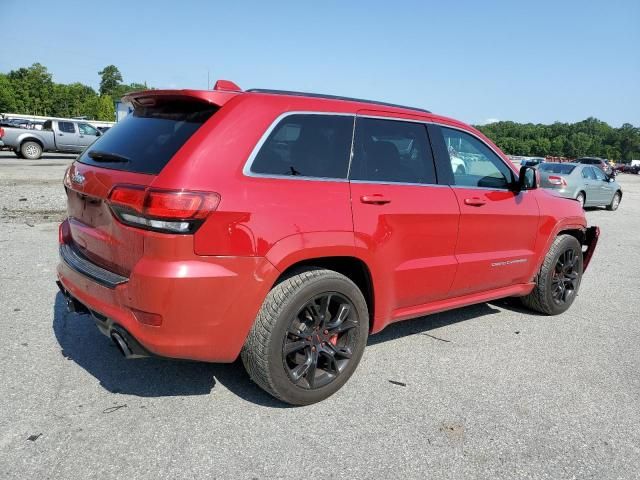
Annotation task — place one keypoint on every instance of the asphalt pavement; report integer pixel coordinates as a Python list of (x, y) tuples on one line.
[(488, 391)]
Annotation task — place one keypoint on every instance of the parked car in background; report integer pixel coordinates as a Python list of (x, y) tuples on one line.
[(531, 162), (55, 136), (627, 168), (601, 163), (284, 228), (586, 183)]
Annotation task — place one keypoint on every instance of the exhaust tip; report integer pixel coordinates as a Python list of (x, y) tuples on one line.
[(128, 345), (121, 343)]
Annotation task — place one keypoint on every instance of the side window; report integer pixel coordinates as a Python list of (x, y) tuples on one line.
[(599, 174), (587, 172), (86, 129), (392, 151), (66, 127), (473, 163), (308, 145)]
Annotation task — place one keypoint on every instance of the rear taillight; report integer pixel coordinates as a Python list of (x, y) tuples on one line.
[(170, 211), (1, 132), (555, 180)]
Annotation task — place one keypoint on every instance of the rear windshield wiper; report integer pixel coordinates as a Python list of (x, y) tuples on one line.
[(107, 157)]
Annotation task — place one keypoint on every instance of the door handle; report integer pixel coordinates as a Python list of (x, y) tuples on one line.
[(474, 202), (375, 199)]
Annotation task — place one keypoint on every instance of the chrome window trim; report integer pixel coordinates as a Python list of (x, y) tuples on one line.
[(374, 182), (393, 119), (453, 127), (246, 170)]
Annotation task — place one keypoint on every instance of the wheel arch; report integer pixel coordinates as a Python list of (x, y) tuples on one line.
[(351, 267), (31, 139)]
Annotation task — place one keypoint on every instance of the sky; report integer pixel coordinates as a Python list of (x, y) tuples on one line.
[(540, 61)]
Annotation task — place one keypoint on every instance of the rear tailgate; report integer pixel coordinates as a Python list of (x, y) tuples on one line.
[(133, 152)]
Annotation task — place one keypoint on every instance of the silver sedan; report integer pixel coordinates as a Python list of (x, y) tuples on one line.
[(585, 183)]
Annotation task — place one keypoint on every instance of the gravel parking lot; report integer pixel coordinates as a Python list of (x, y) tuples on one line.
[(489, 391)]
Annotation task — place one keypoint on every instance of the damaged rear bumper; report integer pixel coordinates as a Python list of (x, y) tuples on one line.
[(590, 241)]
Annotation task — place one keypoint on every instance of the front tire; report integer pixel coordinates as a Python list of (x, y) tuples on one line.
[(581, 199), (308, 337), (615, 202), (558, 281), (31, 150)]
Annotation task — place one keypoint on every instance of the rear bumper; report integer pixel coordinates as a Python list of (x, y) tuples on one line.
[(590, 241), (207, 304)]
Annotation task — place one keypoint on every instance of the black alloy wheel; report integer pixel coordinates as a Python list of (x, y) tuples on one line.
[(565, 277), (319, 343)]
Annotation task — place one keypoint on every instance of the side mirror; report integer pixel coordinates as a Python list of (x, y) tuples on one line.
[(98, 133), (528, 179), (611, 179)]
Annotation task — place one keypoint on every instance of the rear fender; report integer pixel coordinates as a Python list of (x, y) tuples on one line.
[(315, 245)]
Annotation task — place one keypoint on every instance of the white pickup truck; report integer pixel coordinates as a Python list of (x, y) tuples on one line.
[(55, 136)]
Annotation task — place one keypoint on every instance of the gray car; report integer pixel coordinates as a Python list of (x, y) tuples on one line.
[(587, 184)]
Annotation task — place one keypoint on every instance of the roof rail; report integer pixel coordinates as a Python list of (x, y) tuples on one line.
[(333, 97)]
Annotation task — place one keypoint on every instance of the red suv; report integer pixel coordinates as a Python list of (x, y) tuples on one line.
[(286, 227)]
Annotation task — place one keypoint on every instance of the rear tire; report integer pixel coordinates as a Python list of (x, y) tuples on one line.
[(581, 199), (298, 353), (558, 281), (615, 202), (31, 150)]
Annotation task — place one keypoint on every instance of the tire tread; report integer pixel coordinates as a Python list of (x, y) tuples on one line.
[(537, 300), (255, 352)]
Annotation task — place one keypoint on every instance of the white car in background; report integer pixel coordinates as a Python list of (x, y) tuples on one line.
[(458, 165)]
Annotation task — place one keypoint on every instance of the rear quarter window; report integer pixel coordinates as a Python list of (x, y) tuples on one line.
[(307, 145), (146, 140)]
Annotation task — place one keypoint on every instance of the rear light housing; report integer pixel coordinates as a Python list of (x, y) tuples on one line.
[(152, 319), (556, 180), (1, 132), (168, 211)]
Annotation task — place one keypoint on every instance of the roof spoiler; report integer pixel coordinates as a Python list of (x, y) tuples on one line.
[(223, 91)]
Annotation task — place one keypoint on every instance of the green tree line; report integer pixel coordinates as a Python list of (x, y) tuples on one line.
[(32, 91), (590, 137)]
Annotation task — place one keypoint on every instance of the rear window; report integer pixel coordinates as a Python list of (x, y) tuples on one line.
[(556, 168), (146, 140)]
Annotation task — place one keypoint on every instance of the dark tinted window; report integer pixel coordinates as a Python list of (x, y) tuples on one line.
[(66, 127), (145, 141), (473, 163), (590, 161), (556, 168), (392, 151), (307, 145)]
